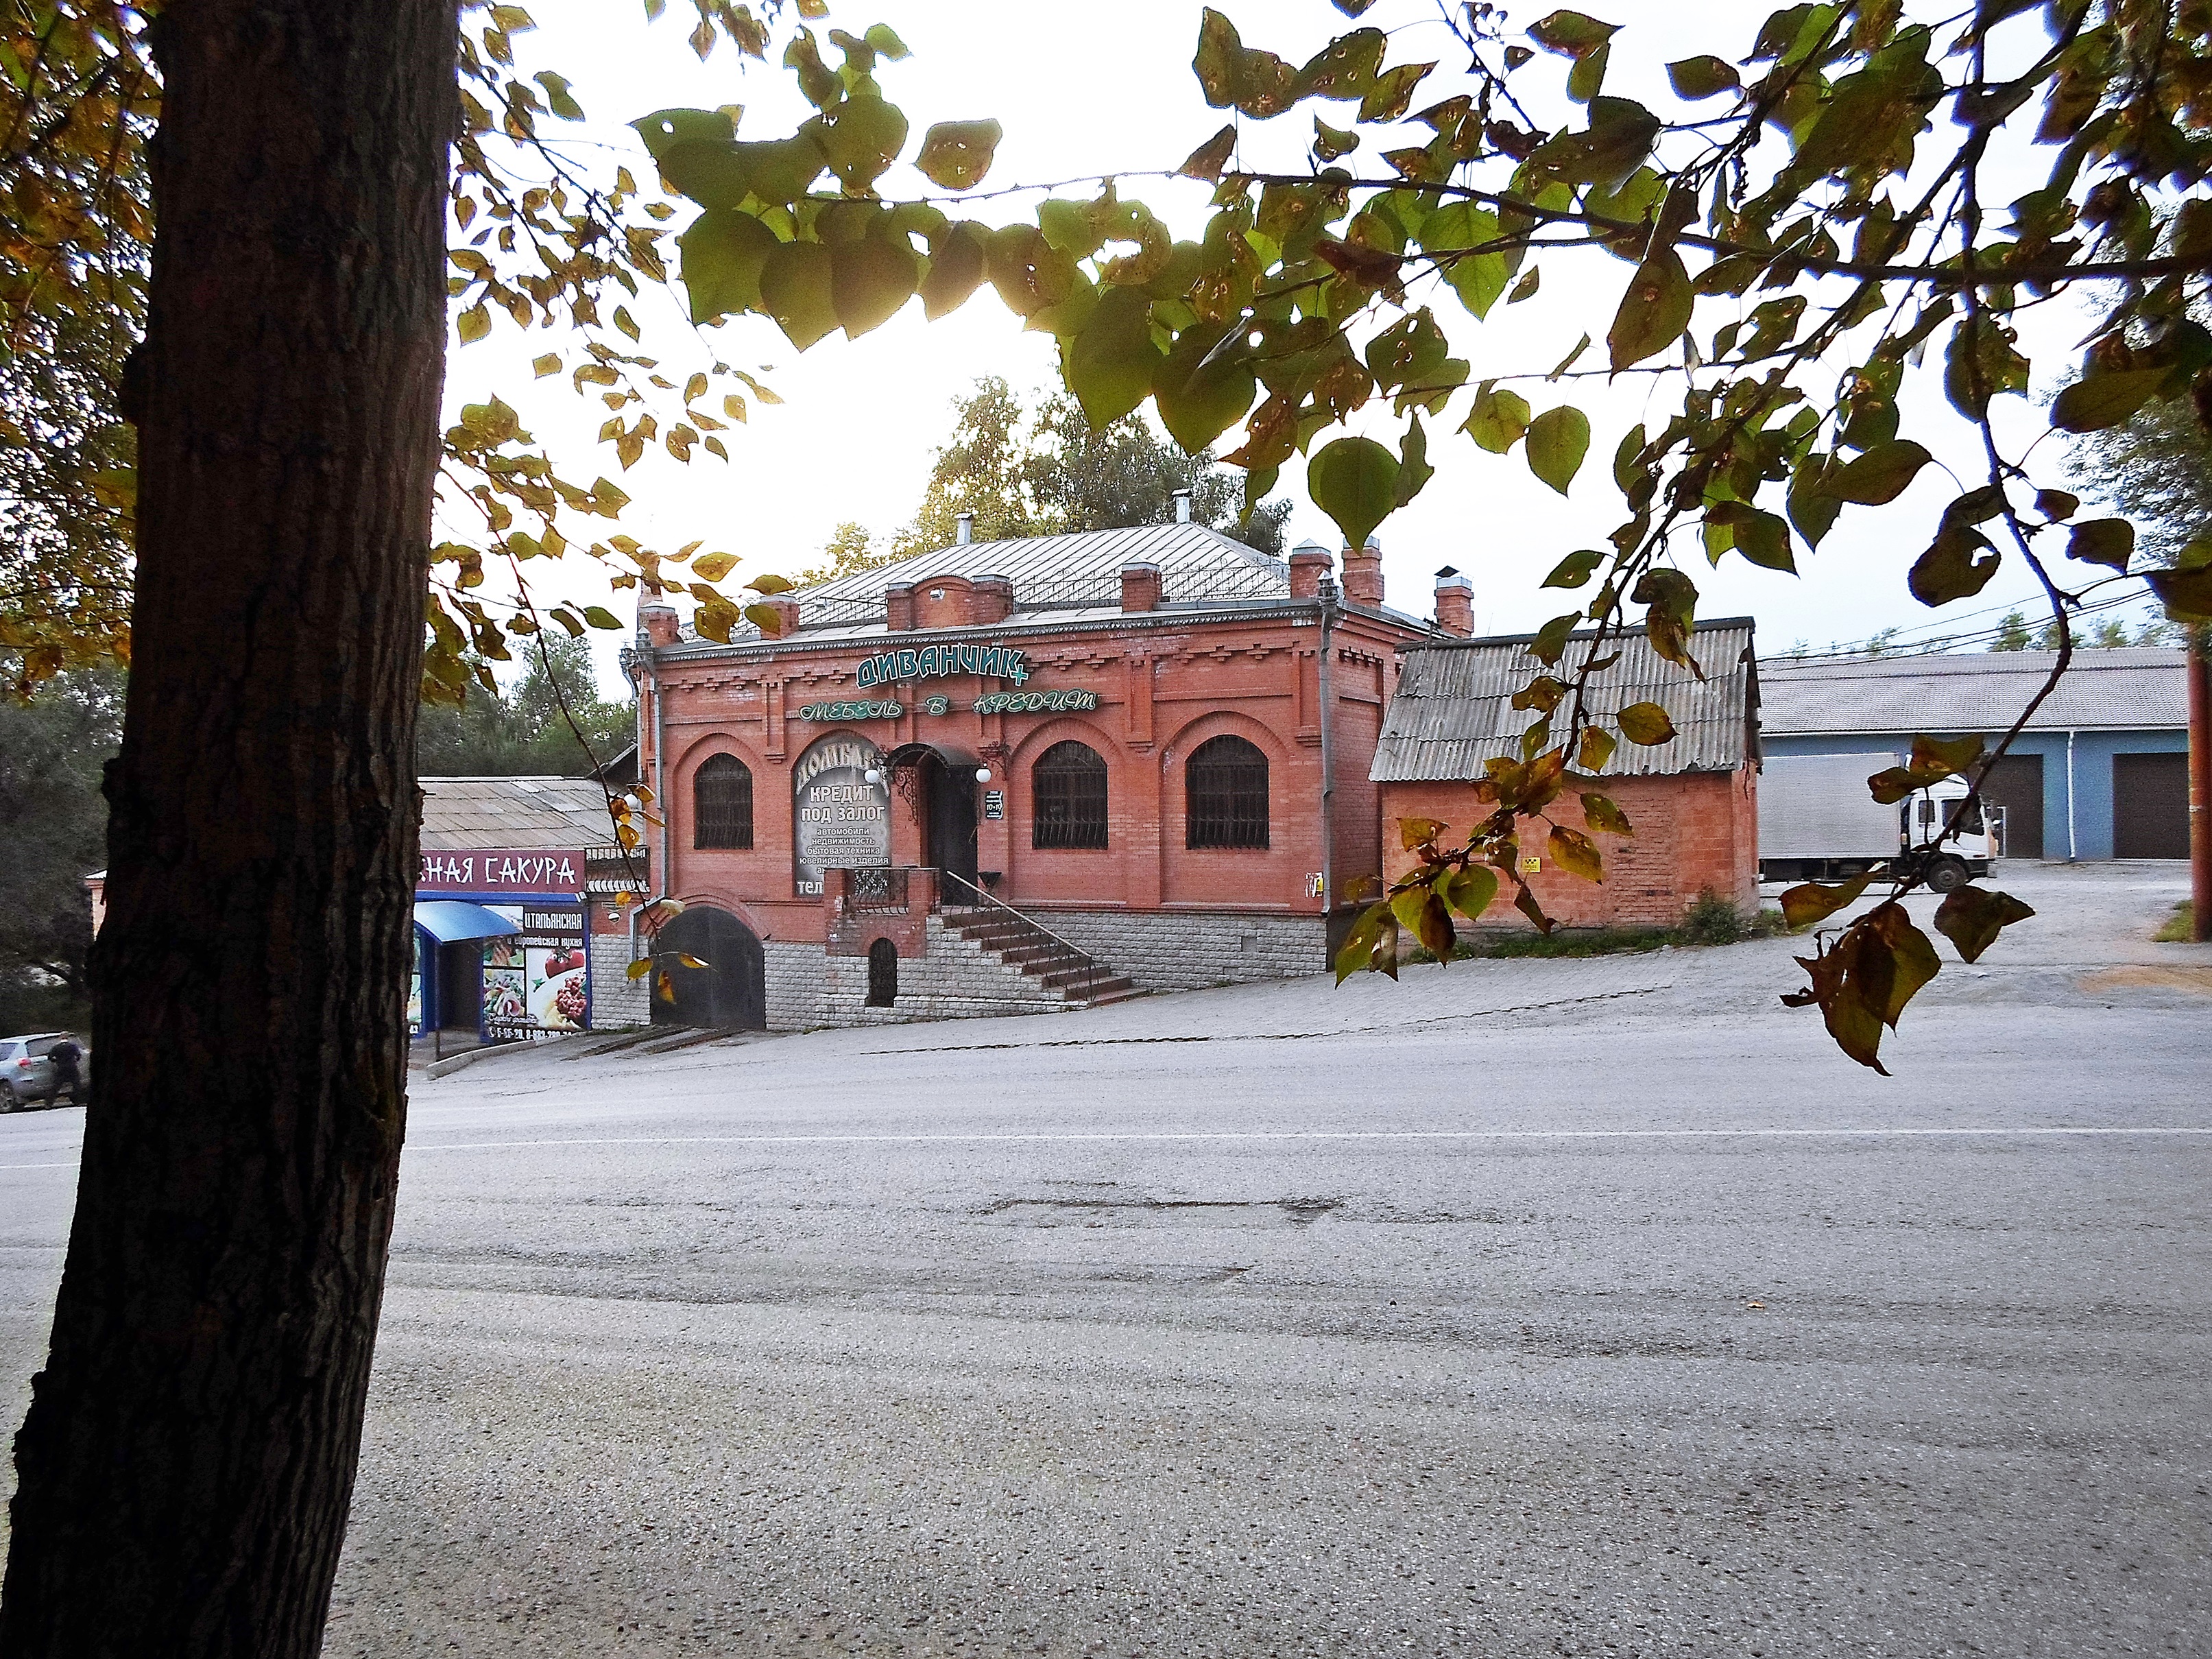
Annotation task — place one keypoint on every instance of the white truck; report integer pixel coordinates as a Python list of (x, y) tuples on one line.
[(1817, 822)]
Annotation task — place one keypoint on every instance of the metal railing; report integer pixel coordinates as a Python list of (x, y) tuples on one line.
[(1093, 970), (877, 888)]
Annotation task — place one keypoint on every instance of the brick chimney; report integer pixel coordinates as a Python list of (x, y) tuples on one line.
[(1310, 562), (898, 607), (1454, 602), (787, 611), (1140, 586), (1363, 573), (658, 624), (990, 599)]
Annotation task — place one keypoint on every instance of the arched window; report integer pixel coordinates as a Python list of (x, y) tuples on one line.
[(722, 803), (883, 974), (1225, 795), (1067, 795)]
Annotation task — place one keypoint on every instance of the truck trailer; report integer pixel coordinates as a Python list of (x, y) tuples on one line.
[(1817, 822)]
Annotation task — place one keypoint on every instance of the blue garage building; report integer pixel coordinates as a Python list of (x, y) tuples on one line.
[(2101, 772)]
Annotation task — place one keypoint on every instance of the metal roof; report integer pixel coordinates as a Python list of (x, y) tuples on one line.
[(1454, 706), (465, 815), (1057, 572), (2124, 688)]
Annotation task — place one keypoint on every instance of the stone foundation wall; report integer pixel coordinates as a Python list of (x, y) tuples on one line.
[(617, 1000), (1190, 950), (955, 979)]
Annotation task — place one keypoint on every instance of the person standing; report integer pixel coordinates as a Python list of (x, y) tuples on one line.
[(64, 1055)]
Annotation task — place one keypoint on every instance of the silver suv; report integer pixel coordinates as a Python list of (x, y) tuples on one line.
[(27, 1069)]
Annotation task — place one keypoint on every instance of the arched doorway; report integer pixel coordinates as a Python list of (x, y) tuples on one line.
[(730, 993), (941, 786)]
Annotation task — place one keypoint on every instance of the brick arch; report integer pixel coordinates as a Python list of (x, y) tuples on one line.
[(687, 761), (1271, 876), (1070, 873)]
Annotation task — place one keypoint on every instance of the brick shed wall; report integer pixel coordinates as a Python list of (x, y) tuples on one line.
[(1694, 830)]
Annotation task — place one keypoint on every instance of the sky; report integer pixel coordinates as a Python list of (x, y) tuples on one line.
[(1088, 90)]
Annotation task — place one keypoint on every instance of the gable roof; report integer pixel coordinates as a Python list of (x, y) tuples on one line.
[(1453, 709), (2130, 687), (1067, 572), (463, 815)]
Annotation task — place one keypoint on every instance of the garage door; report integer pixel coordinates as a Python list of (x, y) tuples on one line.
[(2150, 807), (2016, 783)]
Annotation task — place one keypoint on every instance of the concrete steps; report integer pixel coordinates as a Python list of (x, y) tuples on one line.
[(1020, 943)]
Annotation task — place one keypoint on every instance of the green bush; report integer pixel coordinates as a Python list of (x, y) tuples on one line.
[(1712, 920)]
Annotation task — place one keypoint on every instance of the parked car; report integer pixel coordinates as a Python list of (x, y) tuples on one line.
[(26, 1068)]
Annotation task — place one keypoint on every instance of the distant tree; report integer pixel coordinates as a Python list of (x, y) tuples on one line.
[(54, 824), (524, 732), (2156, 468), (849, 551), (2013, 633), (1055, 475)]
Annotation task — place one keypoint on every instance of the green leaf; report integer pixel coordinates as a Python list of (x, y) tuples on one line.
[(1329, 142), (869, 280), (795, 289), (1207, 161), (714, 175), (885, 41), (1355, 482), (861, 137), (1498, 418), (1703, 77), (1197, 400), (557, 95), (1972, 917), (1112, 360), (1570, 32), (2186, 594), (665, 129), (1803, 906), (1551, 642), (1414, 468), (1601, 813), (1030, 273), (473, 323), (1953, 567), (2102, 541), (1979, 363), (1646, 723), (1654, 311), (2055, 504), (1761, 537), (1879, 476), (1558, 440), (1422, 914), (957, 263), (1575, 569), (723, 256), (1479, 279), (1469, 892), (956, 154), (600, 616), (1575, 852), (1597, 747), (2093, 404)]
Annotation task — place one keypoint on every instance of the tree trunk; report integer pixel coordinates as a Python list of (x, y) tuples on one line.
[(189, 1456)]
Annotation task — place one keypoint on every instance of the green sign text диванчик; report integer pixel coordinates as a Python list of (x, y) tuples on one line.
[(993, 662)]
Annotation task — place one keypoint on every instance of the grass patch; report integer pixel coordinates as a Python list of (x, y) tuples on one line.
[(2180, 927), (1711, 921)]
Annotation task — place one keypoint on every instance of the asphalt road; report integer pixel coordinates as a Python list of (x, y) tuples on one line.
[(1523, 1308)]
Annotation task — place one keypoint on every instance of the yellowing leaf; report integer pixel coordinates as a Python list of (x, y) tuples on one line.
[(1646, 723), (714, 566)]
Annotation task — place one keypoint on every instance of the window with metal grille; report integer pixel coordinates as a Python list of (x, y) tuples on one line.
[(722, 803), (1067, 796), (1226, 794)]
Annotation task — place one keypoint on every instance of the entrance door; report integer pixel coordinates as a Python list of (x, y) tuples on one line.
[(952, 816), (2016, 783), (730, 992), (2150, 807), (461, 985)]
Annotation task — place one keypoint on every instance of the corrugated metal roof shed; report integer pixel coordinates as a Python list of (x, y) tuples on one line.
[(481, 814), (1453, 707), (2128, 687)]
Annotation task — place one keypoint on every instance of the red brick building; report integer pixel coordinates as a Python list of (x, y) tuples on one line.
[(1693, 802), (1062, 766)]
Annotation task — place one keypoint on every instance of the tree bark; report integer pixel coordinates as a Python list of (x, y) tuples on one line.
[(189, 1456)]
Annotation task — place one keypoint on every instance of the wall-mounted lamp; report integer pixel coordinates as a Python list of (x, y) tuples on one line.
[(873, 776), (982, 774)]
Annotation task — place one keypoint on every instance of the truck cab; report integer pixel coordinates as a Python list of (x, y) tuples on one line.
[(1818, 821)]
